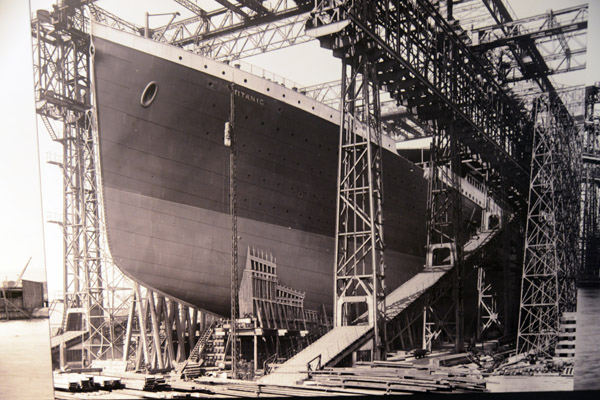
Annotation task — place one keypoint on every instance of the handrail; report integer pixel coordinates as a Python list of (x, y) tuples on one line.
[(318, 367), (266, 368)]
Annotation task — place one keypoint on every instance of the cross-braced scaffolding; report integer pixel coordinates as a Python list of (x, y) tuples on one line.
[(590, 227), (444, 220), (64, 103), (97, 296), (359, 267), (551, 241)]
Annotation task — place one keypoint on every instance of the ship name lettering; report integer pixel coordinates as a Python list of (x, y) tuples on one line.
[(249, 97)]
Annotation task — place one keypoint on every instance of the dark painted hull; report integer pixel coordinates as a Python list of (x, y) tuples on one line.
[(165, 175)]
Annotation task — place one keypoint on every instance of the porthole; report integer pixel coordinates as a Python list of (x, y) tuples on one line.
[(149, 94)]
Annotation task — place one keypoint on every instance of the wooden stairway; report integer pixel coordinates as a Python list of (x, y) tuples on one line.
[(193, 365)]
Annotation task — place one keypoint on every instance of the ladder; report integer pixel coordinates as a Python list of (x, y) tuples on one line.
[(191, 366)]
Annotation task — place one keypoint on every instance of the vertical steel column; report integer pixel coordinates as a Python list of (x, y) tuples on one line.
[(551, 259), (359, 268), (444, 219), (230, 141), (62, 79), (539, 313), (590, 229)]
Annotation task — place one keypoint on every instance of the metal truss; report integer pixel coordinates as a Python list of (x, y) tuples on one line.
[(237, 30), (429, 312), (359, 266), (107, 18), (590, 193), (64, 104), (444, 247), (551, 242), (487, 308), (554, 42), (328, 93), (529, 61), (411, 39), (553, 23), (429, 334)]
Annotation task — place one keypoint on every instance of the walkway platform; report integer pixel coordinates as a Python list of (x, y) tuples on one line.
[(329, 347), (66, 337), (340, 340), (398, 300)]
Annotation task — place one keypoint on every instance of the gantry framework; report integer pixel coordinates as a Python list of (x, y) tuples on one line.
[(95, 291), (359, 261), (466, 105), (64, 104), (238, 29), (590, 234), (423, 63), (551, 261)]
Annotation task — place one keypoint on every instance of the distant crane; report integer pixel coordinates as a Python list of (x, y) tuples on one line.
[(17, 283)]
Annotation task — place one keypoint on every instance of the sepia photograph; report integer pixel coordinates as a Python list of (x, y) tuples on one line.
[(299, 198)]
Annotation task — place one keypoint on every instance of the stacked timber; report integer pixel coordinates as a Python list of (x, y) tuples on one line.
[(394, 377), (239, 388), (76, 382), (155, 384)]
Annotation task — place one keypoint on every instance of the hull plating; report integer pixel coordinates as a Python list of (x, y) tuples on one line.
[(166, 173)]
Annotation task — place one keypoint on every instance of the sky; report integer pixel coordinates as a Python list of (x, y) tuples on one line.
[(26, 179)]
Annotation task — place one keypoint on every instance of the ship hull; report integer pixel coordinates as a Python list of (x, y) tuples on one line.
[(165, 175)]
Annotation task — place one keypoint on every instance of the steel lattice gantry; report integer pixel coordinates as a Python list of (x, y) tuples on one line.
[(237, 30), (423, 63), (551, 259), (115, 321), (63, 98), (359, 266), (590, 229)]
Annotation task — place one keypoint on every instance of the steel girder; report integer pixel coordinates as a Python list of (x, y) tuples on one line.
[(237, 31), (63, 99), (424, 64), (552, 23), (590, 228), (359, 260), (487, 309), (411, 39), (405, 330), (525, 59), (551, 239)]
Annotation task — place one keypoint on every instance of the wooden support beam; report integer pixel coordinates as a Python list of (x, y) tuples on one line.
[(128, 332), (155, 329), (168, 318), (142, 323), (191, 335), (176, 313)]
